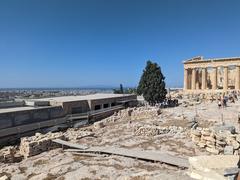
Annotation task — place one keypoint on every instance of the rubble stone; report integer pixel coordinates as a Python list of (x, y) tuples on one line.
[(196, 139), (196, 132), (212, 150), (98, 125), (215, 141), (221, 143), (235, 145), (153, 130), (206, 132)]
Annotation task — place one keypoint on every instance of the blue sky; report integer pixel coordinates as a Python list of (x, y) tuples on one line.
[(79, 43)]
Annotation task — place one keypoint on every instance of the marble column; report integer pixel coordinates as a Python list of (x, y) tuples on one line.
[(185, 79), (193, 79), (237, 79), (204, 77), (225, 83), (214, 84)]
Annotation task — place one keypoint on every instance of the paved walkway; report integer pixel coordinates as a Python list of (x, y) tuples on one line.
[(136, 154)]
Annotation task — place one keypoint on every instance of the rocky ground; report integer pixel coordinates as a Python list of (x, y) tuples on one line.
[(166, 131)]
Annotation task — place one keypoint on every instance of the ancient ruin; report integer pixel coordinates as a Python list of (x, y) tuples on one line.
[(206, 75), (146, 142)]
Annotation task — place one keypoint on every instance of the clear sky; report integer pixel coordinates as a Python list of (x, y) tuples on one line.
[(78, 43)]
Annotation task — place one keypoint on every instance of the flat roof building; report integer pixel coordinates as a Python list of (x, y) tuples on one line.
[(47, 112)]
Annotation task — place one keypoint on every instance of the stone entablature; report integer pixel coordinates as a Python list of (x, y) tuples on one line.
[(212, 74)]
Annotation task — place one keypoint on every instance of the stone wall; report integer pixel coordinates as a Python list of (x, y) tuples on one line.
[(31, 146), (130, 114), (221, 142)]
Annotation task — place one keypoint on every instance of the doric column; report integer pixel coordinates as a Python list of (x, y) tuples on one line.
[(185, 79), (193, 79), (237, 79), (214, 84), (225, 83), (204, 76)]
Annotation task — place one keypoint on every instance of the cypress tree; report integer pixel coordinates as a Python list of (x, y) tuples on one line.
[(152, 84)]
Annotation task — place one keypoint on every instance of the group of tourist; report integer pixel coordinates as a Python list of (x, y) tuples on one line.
[(168, 102), (222, 99)]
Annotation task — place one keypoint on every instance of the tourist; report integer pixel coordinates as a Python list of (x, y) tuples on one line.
[(219, 103), (224, 102)]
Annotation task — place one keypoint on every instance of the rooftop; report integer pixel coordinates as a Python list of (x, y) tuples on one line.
[(24, 108), (84, 98), (201, 59)]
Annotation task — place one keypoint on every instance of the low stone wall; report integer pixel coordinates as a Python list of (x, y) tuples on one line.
[(31, 146), (130, 114), (224, 142)]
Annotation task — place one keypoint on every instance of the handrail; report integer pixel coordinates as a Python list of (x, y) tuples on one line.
[(93, 112)]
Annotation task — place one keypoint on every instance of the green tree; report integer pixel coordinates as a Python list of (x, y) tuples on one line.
[(152, 84), (119, 91)]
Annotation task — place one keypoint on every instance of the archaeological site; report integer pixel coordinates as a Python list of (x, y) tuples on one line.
[(119, 90), (110, 136)]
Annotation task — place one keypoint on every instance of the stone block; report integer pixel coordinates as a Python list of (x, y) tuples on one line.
[(211, 167), (212, 150), (224, 128), (210, 144), (238, 137), (206, 132), (208, 138), (221, 143), (235, 145), (220, 137), (202, 145), (98, 125), (228, 150), (196, 139), (196, 132)]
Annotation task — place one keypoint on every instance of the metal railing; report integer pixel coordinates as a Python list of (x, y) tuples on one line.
[(95, 112)]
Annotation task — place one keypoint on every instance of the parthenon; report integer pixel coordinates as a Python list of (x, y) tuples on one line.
[(222, 74)]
